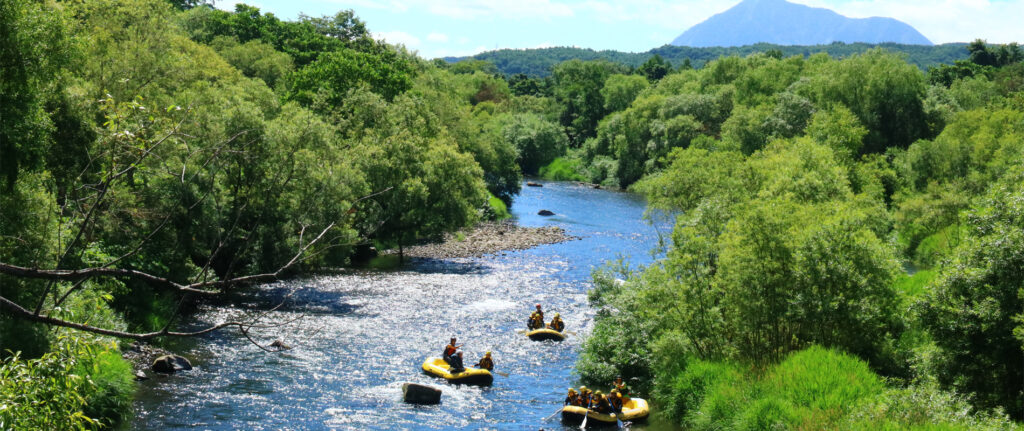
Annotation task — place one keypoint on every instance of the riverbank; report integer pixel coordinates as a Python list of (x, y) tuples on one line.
[(490, 238)]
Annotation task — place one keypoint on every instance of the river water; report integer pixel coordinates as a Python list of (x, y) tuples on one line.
[(360, 335)]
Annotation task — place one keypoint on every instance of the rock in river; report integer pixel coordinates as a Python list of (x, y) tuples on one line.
[(421, 394), (168, 364), (545, 213), (533, 184)]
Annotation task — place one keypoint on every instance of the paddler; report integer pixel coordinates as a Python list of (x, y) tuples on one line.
[(456, 363), (557, 323), (573, 399), (449, 351), (620, 386), (615, 400), (486, 362), (536, 319), (585, 397), (600, 403)]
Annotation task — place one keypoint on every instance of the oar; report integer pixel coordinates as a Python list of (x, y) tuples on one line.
[(586, 416), (570, 332), (553, 414), (500, 373)]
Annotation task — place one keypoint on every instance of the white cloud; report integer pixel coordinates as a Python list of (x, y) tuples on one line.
[(481, 9), (398, 37), (944, 20), (437, 37)]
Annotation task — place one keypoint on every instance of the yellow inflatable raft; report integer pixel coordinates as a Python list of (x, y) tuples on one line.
[(471, 376), (545, 334), (633, 410)]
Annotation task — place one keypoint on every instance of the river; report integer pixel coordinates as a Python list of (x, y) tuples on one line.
[(360, 335)]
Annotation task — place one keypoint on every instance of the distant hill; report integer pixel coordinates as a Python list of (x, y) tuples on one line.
[(538, 62), (784, 23)]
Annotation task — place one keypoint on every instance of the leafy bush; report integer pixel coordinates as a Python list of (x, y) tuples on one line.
[(75, 386), (562, 169)]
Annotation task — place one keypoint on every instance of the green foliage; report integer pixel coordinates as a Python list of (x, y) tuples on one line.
[(577, 88), (255, 58), (78, 385), (334, 74), (619, 91), (34, 47), (562, 169), (537, 141), (540, 62), (881, 89), (974, 309), (497, 209)]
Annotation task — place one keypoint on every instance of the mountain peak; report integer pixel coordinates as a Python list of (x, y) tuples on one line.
[(785, 23)]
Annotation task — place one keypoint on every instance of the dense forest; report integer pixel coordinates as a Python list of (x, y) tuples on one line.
[(848, 245), (540, 62), (849, 230)]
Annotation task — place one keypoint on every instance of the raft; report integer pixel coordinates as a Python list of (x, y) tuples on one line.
[(634, 410), (437, 367), (545, 334)]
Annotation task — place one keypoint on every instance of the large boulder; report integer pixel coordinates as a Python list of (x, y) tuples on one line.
[(421, 394), (168, 364), (545, 213)]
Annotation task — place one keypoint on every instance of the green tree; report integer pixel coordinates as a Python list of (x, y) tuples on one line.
[(882, 90), (336, 73), (34, 47), (577, 87), (619, 91), (538, 141), (655, 68), (974, 310)]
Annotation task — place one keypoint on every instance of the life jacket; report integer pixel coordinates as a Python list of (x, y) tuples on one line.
[(449, 350), (623, 389), (486, 363), (572, 400), (616, 403), (557, 325)]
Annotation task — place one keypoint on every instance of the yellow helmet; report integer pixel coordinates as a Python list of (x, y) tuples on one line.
[(488, 353), (598, 393), (572, 391), (558, 315), (583, 389)]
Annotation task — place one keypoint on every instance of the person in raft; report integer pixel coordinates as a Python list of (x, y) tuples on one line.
[(536, 319), (573, 399), (456, 364), (615, 400), (600, 403), (620, 386), (486, 362), (449, 351), (585, 397), (557, 323)]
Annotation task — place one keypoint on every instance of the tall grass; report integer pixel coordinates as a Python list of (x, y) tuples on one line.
[(562, 169), (813, 389)]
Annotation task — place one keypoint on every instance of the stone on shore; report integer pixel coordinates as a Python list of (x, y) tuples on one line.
[(545, 213), (168, 364), (420, 394), (489, 238)]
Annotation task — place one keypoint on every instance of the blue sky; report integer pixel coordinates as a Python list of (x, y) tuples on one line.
[(437, 28)]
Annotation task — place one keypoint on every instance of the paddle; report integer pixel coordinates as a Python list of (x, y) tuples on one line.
[(586, 416), (553, 414), (500, 373)]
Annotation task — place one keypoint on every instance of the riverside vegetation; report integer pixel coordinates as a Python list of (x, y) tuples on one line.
[(155, 154)]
